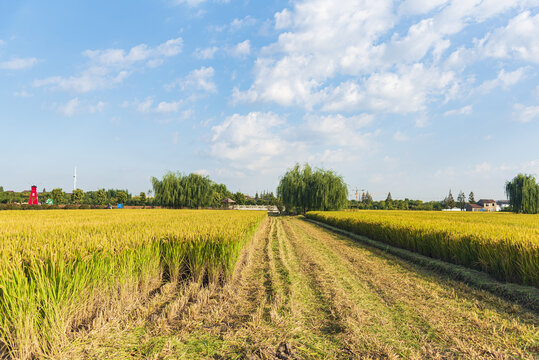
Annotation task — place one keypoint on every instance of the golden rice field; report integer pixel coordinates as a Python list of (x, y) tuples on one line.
[(501, 244), (60, 270)]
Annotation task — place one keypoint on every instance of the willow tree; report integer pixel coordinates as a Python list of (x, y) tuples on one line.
[(305, 189), (176, 190), (523, 193)]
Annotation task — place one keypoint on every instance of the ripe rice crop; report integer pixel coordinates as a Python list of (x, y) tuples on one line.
[(60, 270), (501, 244)]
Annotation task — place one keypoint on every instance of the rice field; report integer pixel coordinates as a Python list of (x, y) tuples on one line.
[(501, 244), (61, 271), (133, 284), (300, 291)]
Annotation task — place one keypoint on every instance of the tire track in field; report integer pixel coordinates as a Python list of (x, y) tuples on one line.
[(344, 320), (274, 309), (446, 318)]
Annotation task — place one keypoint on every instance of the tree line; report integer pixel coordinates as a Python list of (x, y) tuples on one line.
[(300, 189), (78, 197), (178, 190)]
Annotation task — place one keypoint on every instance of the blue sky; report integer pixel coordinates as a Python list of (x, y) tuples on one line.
[(415, 97)]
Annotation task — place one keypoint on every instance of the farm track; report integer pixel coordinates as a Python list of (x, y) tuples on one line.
[(300, 291)]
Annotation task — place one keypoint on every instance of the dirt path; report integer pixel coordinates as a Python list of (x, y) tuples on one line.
[(302, 292)]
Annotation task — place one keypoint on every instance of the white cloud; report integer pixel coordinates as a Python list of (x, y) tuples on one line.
[(415, 7), (206, 53), (338, 130), (202, 172), (241, 49), (349, 56), (18, 64), (447, 172), (144, 106), (140, 53), (325, 38), (504, 79), (530, 167), (465, 110), (283, 19), (238, 24), (191, 3), (98, 107), (75, 106), (163, 107), (266, 142), (255, 141), (338, 39), (22, 93), (483, 168), (111, 67), (404, 91), (333, 156), (519, 39), (399, 136), (525, 113), (199, 79), (70, 108)]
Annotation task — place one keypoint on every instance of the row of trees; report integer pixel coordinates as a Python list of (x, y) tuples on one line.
[(78, 196), (305, 189), (450, 203), (396, 204), (176, 190), (301, 189)]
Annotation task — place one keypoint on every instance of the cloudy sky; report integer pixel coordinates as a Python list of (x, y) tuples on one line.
[(415, 97)]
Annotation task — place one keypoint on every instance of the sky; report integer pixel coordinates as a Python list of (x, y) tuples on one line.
[(411, 97)]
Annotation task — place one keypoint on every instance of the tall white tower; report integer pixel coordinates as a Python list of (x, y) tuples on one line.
[(75, 179)]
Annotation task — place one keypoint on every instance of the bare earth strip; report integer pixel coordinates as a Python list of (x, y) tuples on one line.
[(302, 292)]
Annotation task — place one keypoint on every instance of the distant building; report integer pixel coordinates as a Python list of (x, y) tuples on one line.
[(487, 204), (228, 202), (502, 204), (453, 209), (473, 207)]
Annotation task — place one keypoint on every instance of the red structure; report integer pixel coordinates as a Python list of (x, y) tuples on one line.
[(32, 200)]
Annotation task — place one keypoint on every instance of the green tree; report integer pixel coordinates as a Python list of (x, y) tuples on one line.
[(176, 190), (461, 200), (449, 201), (471, 198), (77, 196), (523, 193), (368, 197), (142, 198), (305, 189), (57, 196), (122, 197), (389, 201), (101, 197)]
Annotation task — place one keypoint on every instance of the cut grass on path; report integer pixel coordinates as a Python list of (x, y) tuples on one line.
[(300, 291)]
